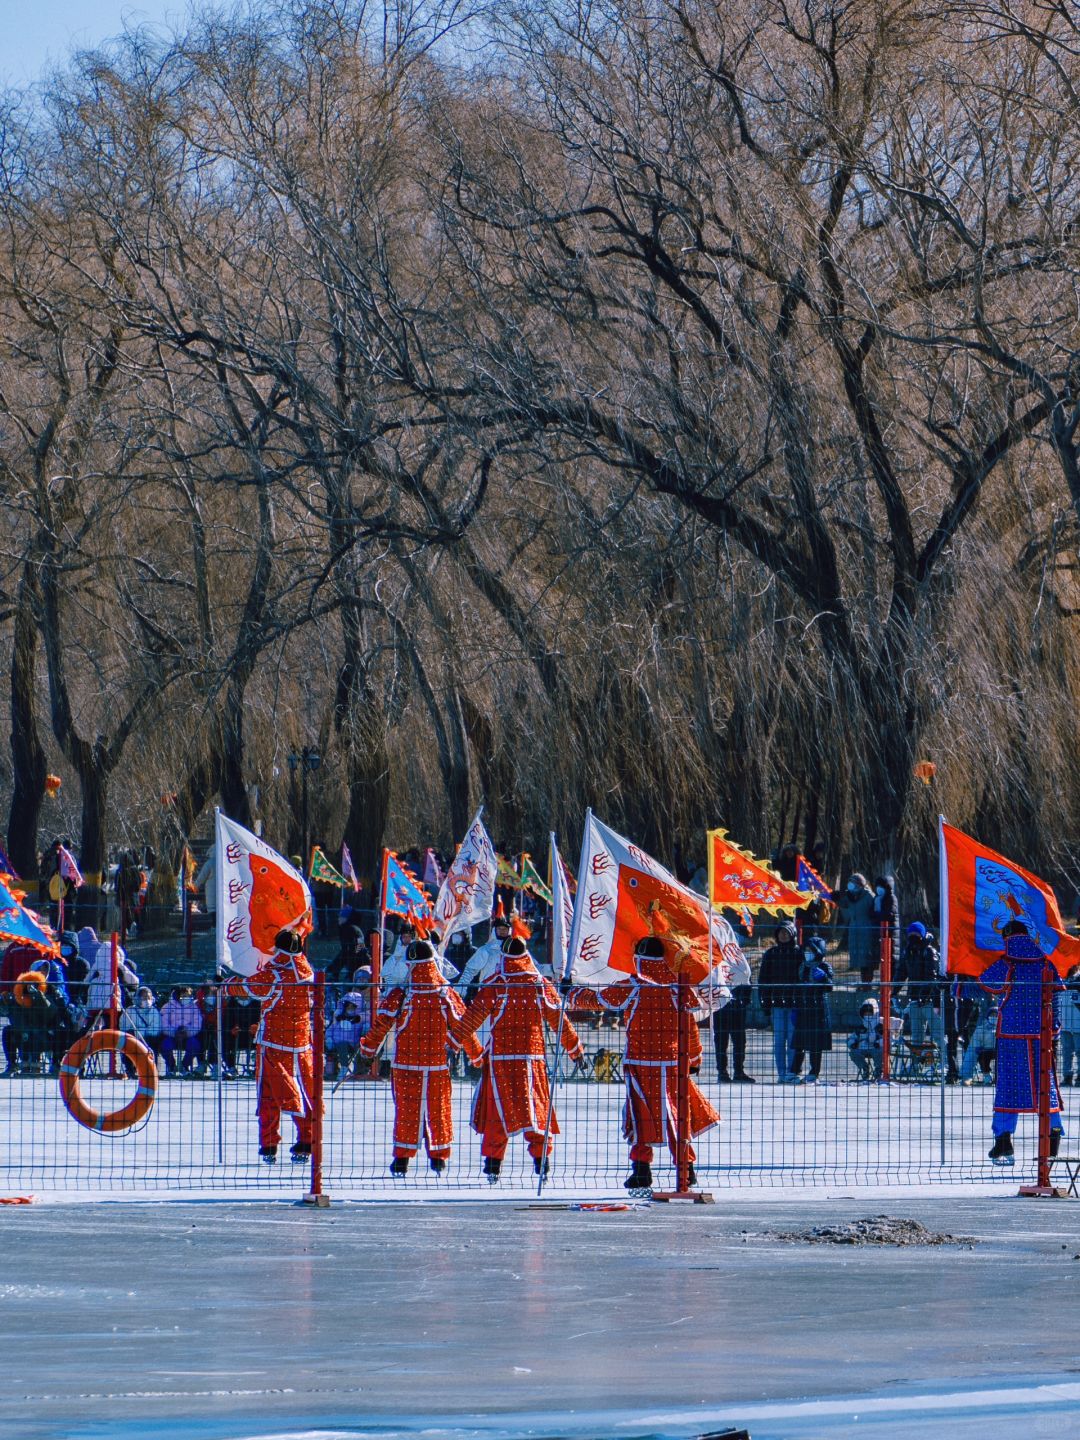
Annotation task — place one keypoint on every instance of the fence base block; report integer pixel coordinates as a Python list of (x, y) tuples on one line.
[(1042, 1192), (320, 1202), (686, 1197)]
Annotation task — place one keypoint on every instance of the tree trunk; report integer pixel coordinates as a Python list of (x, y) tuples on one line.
[(27, 754)]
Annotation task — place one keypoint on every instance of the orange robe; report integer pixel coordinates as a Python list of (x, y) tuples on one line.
[(513, 1094), (420, 1013), (648, 1002), (284, 1069)]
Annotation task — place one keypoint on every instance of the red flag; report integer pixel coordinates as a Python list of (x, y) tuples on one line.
[(981, 891), (737, 880)]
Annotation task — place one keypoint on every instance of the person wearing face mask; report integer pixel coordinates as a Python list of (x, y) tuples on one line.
[(856, 905), (143, 1020), (885, 915)]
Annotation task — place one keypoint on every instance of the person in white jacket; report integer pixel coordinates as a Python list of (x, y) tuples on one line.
[(99, 981), (486, 960), (865, 1044)]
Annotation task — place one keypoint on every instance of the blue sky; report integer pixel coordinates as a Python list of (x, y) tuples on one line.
[(37, 33)]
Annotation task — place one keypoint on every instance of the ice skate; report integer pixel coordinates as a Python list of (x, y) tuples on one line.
[(639, 1181), (399, 1166), (300, 1152), (492, 1166), (438, 1165), (542, 1166), (268, 1154), (1002, 1152)]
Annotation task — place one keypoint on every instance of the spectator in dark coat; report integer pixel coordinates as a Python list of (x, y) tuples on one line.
[(856, 904), (729, 1024), (813, 1020), (778, 981), (885, 915), (919, 968)]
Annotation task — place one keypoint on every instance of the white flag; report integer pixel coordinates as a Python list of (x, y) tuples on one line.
[(258, 894), (624, 894), (562, 913), (467, 893)]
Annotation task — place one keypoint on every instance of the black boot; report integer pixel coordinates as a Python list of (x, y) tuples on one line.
[(640, 1177), (492, 1166), (544, 1165), (438, 1165), (300, 1152), (691, 1177), (1055, 1141), (742, 1078), (268, 1154), (1002, 1151), (723, 1077), (399, 1165)]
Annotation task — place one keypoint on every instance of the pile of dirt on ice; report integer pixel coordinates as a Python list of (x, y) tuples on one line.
[(875, 1230)]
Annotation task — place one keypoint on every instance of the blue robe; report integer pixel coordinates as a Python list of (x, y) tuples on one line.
[(1017, 985)]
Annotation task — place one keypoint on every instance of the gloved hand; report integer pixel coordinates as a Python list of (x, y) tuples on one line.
[(578, 1055), (565, 985), (695, 1069)]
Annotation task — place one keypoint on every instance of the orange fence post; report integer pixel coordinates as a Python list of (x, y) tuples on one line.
[(682, 1092), (886, 1000), (318, 1044), (1043, 1186)]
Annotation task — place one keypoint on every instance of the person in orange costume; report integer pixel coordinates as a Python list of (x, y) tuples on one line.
[(284, 1062), (648, 1003), (513, 1096), (420, 1013)]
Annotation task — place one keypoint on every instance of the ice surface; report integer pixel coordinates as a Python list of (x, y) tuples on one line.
[(214, 1322)]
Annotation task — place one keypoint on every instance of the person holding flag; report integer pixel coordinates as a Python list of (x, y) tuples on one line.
[(263, 913), (989, 904), (284, 1061), (648, 1003), (420, 1013), (513, 1096), (1016, 982)]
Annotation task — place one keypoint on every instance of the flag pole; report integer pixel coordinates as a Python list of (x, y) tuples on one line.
[(376, 954), (567, 967)]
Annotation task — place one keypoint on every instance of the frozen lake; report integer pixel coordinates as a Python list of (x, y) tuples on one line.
[(220, 1322)]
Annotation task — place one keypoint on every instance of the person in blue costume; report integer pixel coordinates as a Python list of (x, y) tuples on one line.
[(1016, 981)]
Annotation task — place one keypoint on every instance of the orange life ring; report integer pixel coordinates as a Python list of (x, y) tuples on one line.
[(23, 983), (121, 1043)]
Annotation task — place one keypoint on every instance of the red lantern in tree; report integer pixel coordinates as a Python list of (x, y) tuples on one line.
[(925, 771), (52, 786)]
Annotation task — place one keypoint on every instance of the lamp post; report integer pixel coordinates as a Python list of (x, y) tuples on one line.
[(307, 760)]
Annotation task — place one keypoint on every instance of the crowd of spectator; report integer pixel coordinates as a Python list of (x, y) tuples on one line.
[(949, 1022)]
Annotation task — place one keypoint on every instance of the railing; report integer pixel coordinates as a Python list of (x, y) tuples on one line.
[(848, 1127)]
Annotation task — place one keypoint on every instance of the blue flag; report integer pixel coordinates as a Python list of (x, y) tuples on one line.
[(22, 926), (6, 867), (807, 878), (402, 892)]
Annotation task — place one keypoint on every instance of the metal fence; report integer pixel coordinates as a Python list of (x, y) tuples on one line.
[(851, 1124)]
